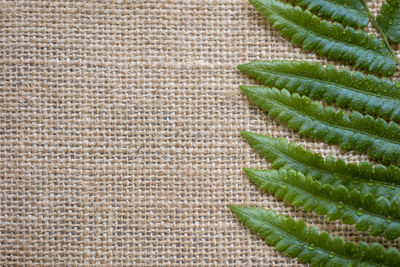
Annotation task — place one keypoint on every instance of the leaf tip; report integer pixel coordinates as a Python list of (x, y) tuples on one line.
[(236, 209), (250, 172), (251, 137), (246, 134), (244, 67), (246, 170), (244, 88)]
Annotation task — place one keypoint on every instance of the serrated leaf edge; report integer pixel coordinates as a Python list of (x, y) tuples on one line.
[(260, 220), (373, 214), (381, 181), (374, 56), (331, 9), (366, 94), (350, 131)]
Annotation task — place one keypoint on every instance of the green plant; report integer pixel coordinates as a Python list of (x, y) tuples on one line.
[(367, 212), (389, 20), (348, 12), (377, 180), (366, 94), (360, 194), (324, 38), (309, 245)]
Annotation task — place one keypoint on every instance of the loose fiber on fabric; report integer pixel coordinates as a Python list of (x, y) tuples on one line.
[(120, 134)]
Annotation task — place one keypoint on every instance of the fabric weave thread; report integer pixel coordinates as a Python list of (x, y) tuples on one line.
[(120, 133)]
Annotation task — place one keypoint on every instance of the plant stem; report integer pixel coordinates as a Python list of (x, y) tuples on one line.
[(383, 35)]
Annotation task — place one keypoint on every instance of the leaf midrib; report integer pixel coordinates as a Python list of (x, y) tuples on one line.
[(350, 207), (330, 124), (303, 241), (288, 157), (343, 87)]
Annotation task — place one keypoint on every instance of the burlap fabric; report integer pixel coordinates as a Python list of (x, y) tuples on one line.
[(120, 140)]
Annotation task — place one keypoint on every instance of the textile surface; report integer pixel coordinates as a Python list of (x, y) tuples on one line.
[(120, 133)]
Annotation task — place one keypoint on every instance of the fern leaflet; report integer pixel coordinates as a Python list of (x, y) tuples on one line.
[(331, 40), (389, 20), (311, 246), (366, 94), (376, 180), (347, 12), (378, 215), (381, 140)]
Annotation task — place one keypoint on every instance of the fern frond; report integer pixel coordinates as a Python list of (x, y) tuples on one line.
[(366, 94), (347, 12), (377, 215), (330, 40), (389, 19), (376, 180), (381, 140), (309, 245)]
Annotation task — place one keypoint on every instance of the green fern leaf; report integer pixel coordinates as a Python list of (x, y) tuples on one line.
[(309, 245), (378, 215), (381, 140), (348, 12), (330, 40), (376, 180), (365, 94), (389, 20)]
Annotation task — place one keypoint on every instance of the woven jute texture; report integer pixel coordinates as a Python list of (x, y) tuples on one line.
[(120, 134)]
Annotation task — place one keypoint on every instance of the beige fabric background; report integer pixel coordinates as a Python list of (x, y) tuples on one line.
[(120, 142)]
